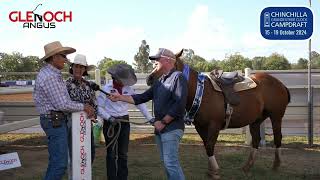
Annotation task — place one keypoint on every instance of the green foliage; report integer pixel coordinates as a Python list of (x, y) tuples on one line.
[(16, 62), (302, 64), (315, 60), (142, 63), (204, 66), (277, 62), (235, 62), (197, 62), (258, 62), (105, 63)]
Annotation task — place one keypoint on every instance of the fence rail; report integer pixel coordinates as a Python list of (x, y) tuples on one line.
[(294, 121)]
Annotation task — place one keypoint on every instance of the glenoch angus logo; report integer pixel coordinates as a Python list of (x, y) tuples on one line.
[(48, 19)]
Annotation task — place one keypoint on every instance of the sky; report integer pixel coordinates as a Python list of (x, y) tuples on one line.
[(115, 29)]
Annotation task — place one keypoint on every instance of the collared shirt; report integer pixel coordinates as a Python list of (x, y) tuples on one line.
[(50, 92), (81, 92), (107, 108), (169, 95)]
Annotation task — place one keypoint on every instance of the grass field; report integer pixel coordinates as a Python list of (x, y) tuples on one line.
[(298, 160)]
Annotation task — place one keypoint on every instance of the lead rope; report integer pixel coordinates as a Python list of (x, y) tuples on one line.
[(110, 134)]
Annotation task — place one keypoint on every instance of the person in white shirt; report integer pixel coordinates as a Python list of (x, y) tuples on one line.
[(123, 77)]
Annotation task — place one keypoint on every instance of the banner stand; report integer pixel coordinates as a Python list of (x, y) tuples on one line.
[(81, 147)]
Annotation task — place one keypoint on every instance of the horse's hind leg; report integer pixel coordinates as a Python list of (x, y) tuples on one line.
[(277, 137), (255, 133)]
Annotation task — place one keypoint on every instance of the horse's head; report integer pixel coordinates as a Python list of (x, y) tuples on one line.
[(155, 74)]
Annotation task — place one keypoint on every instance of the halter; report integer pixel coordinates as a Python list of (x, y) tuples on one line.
[(189, 117)]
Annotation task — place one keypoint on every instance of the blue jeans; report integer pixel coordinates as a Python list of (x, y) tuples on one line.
[(168, 145), (57, 148)]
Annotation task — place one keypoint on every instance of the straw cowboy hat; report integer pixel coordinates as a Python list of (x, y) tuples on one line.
[(54, 48), (81, 60), (123, 73)]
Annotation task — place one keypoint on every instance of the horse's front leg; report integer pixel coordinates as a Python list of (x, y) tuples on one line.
[(213, 167), (209, 140)]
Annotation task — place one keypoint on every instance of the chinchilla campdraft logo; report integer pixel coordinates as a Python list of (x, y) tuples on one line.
[(33, 20), (286, 23)]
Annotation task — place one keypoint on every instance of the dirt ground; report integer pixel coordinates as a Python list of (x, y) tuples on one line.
[(298, 161), (27, 97)]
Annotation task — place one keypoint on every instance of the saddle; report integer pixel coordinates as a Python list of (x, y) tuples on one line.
[(226, 81)]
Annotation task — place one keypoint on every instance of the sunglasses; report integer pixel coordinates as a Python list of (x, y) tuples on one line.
[(63, 55)]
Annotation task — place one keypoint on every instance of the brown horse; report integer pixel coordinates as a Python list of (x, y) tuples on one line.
[(269, 99)]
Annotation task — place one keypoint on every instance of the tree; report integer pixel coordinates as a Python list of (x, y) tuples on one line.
[(9, 62), (197, 62), (204, 66), (141, 59), (235, 62), (302, 64), (315, 59), (105, 63), (216, 64), (277, 62), (16, 62), (258, 62)]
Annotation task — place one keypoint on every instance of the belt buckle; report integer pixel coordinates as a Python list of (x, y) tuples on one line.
[(45, 115)]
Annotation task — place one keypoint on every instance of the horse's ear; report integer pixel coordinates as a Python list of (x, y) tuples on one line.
[(179, 53)]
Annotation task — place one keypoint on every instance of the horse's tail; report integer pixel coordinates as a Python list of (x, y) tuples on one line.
[(37, 7), (289, 95)]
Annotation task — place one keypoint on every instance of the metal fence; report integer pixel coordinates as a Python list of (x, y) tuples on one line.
[(294, 122)]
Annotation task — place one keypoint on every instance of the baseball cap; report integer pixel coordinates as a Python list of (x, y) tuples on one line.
[(163, 52)]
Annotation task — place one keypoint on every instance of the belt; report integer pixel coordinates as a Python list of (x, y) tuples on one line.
[(53, 115), (120, 117)]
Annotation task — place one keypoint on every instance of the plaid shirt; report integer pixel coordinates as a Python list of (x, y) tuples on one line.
[(50, 92)]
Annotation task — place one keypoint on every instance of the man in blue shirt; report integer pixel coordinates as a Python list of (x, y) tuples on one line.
[(169, 95)]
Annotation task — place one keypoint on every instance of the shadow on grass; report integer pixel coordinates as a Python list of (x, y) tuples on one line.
[(23, 141)]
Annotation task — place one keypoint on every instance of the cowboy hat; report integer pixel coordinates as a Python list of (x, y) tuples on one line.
[(81, 60), (54, 48), (123, 73)]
